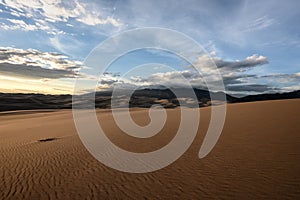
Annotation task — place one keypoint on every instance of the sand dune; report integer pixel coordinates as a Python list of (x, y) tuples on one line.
[(257, 156)]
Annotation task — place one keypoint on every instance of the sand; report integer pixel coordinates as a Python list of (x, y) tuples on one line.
[(257, 156)]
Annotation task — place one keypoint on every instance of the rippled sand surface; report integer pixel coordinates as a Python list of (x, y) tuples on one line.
[(257, 156)]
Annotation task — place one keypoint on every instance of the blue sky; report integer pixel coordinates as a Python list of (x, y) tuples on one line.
[(263, 34)]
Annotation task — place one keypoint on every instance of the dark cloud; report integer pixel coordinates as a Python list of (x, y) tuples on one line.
[(237, 79), (286, 77), (249, 88), (249, 62), (109, 81), (117, 74), (36, 72), (34, 64)]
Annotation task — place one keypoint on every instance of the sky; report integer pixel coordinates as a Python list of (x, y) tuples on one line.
[(44, 43)]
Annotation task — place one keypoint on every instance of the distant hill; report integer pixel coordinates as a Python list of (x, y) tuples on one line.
[(276, 96), (18, 101), (140, 98)]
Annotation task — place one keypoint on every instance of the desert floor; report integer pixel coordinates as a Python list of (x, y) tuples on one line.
[(257, 156)]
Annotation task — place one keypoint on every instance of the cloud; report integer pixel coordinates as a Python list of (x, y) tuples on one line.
[(242, 65), (249, 88), (35, 25), (34, 64), (233, 72), (61, 11), (235, 80), (107, 81), (206, 65), (259, 23), (34, 72), (45, 14), (285, 82), (92, 20), (20, 24), (282, 78)]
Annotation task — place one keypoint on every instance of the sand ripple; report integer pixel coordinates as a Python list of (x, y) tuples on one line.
[(257, 156)]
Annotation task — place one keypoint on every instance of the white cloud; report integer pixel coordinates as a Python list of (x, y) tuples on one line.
[(257, 59), (291, 88), (259, 23), (20, 24), (60, 11), (90, 19), (68, 45)]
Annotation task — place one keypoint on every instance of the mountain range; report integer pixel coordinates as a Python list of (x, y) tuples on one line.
[(140, 98)]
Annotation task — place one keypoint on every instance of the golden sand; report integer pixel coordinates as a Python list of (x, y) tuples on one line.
[(257, 156)]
